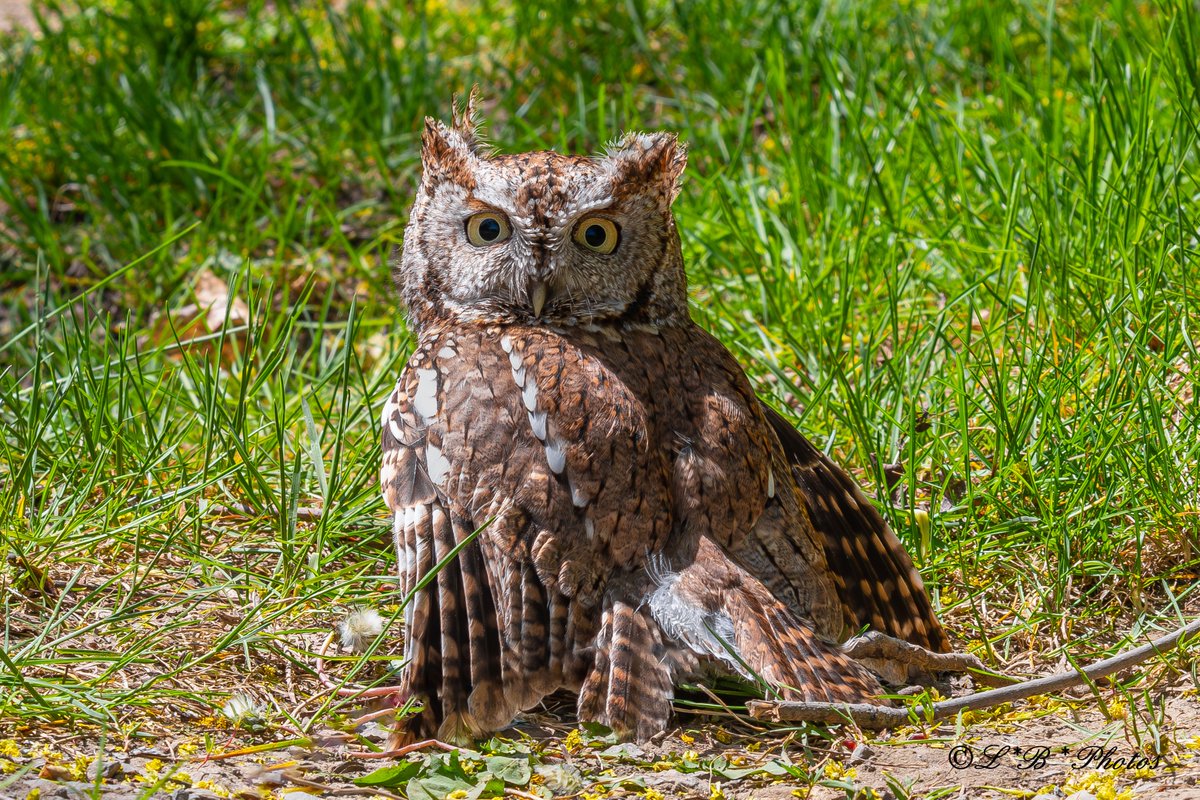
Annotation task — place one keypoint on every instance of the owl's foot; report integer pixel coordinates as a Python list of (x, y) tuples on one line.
[(899, 662)]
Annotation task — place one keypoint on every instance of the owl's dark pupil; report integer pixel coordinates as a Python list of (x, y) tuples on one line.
[(489, 229), (595, 235)]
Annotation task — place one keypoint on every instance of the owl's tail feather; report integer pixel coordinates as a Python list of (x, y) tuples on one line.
[(629, 687), (792, 658), (452, 642)]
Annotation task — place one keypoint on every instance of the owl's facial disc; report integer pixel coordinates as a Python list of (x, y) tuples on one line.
[(542, 238)]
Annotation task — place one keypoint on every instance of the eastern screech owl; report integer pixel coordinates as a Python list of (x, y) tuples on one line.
[(641, 515)]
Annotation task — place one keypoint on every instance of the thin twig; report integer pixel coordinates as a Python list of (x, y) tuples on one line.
[(877, 717), (402, 751), (336, 791)]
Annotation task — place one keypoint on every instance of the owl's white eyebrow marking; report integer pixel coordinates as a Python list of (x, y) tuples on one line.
[(425, 403), (436, 464), (576, 211)]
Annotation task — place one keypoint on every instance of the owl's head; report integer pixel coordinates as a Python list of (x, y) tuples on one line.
[(543, 238)]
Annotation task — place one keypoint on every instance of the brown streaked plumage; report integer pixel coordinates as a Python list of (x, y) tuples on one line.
[(641, 516)]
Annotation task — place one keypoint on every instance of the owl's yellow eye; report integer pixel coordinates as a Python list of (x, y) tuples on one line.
[(598, 234), (487, 227)]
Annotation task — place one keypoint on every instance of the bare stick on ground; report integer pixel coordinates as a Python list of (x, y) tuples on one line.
[(874, 717)]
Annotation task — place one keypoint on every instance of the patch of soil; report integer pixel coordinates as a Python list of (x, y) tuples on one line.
[(1044, 749)]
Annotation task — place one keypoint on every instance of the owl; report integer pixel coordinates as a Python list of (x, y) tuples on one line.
[(586, 493)]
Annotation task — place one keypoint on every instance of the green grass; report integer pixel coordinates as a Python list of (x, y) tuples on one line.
[(963, 240)]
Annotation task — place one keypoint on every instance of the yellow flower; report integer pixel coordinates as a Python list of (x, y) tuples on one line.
[(574, 741)]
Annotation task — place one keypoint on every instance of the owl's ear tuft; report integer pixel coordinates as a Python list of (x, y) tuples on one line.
[(447, 154), (464, 118), (656, 160)]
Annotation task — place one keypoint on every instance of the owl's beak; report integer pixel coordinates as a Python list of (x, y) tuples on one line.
[(537, 296)]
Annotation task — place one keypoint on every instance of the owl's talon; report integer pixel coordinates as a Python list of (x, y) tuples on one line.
[(896, 660)]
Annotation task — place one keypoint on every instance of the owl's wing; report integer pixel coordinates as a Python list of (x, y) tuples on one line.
[(875, 579), (452, 640), (520, 441), (723, 615)]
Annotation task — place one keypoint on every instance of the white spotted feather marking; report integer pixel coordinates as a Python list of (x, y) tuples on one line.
[(389, 417), (447, 352), (537, 421), (556, 454), (436, 464), (529, 395), (425, 402)]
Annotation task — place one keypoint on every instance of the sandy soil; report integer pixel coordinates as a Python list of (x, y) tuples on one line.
[(1060, 755)]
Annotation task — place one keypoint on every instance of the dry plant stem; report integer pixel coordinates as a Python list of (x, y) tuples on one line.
[(510, 792), (402, 751), (334, 791), (874, 717), (374, 715)]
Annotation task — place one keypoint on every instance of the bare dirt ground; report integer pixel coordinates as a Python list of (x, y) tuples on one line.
[(1044, 749)]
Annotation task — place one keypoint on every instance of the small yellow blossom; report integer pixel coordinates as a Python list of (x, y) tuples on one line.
[(835, 771), (574, 741)]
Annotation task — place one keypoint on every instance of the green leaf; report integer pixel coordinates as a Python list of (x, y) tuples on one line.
[(437, 786), (390, 777), (513, 771), (599, 734)]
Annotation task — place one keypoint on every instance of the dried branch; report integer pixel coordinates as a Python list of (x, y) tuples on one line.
[(877, 717)]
